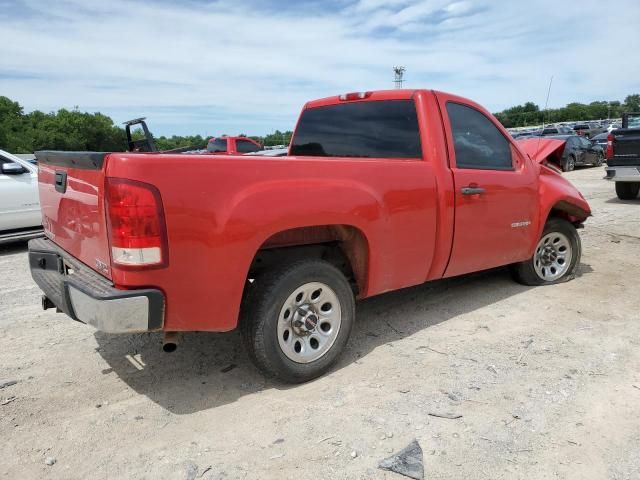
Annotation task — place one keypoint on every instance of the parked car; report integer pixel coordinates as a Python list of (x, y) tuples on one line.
[(623, 157), (613, 126), (273, 152), (20, 217), (579, 151), (556, 130), (380, 191), (601, 140), (588, 130), (232, 145)]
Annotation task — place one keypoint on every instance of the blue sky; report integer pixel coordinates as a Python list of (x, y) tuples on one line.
[(228, 66)]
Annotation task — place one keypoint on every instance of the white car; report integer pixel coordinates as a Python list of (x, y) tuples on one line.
[(20, 217)]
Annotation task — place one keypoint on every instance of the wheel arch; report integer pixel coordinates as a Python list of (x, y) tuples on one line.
[(345, 246)]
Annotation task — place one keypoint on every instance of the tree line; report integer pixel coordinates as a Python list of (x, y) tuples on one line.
[(531, 114), (74, 130)]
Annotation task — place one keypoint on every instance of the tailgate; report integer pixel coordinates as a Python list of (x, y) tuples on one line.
[(626, 143), (71, 186)]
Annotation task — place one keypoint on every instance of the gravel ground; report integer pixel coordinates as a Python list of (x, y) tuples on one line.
[(547, 381)]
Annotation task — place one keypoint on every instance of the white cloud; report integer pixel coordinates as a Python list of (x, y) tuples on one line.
[(224, 66)]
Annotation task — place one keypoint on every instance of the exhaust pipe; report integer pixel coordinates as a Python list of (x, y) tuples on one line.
[(47, 303), (170, 342)]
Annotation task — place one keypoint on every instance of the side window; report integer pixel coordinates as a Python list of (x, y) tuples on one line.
[(245, 146), (477, 141)]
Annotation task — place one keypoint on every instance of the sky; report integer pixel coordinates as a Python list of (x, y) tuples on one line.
[(234, 66)]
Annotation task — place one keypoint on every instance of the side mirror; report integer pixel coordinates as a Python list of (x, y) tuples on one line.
[(13, 169)]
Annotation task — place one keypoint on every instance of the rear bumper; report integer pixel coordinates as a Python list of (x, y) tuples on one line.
[(87, 297), (623, 174)]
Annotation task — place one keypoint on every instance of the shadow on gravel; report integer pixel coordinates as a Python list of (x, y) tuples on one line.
[(212, 369), (13, 248), (636, 201)]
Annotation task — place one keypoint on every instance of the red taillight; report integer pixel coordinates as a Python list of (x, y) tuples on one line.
[(135, 219), (610, 146), (354, 96)]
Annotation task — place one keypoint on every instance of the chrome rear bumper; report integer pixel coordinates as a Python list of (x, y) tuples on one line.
[(86, 296)]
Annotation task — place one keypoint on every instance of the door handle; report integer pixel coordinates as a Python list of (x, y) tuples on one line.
[(472, 190)]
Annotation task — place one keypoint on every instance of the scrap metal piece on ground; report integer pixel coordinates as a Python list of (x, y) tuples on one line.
[(450, 416), (407, 462)]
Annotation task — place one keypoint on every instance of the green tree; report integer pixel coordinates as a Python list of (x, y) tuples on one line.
[(632, 103)]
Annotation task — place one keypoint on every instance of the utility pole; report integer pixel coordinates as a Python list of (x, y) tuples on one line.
[(398, 74)]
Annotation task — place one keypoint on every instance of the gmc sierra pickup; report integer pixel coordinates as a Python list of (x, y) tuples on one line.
[(380, 191), (623, 157)]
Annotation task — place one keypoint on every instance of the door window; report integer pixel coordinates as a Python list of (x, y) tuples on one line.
[(477, 141)]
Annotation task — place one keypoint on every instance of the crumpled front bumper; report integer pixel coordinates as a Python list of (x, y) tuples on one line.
[(86, 296)]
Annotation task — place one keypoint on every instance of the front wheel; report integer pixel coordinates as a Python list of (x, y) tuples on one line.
[(599, 160), (556, 256), (569, 164), (297, 319)]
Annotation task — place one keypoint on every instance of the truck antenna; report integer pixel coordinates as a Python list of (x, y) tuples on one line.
[(546, 105)]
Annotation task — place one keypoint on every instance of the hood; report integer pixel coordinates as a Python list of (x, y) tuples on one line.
[(542, 150)]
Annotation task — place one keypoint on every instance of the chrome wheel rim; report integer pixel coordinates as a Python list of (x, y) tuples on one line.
[(309, 322), (553, 256)]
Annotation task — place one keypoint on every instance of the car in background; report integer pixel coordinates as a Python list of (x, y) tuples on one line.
[(232, 145), (601, 140), (623, 157), (273, 152), (20, 217), (579, 151), (613, 126), (556, 130), (588, 130)]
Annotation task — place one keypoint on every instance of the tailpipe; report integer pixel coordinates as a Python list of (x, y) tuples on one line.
[(170, 342)]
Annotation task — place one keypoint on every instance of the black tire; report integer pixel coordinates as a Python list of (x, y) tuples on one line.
[(627, 190), (599, 160), (261, 310), (525, 272), (569, 164)]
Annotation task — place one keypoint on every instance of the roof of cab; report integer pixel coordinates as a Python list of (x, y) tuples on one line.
[(399, 94)]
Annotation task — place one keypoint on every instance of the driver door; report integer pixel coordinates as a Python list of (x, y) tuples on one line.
[(496, 194)]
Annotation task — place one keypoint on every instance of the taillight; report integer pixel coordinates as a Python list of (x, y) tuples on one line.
[(610, 146), (354, 96), (135, 218)]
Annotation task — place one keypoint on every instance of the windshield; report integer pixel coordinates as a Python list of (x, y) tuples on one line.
[(217, 145)]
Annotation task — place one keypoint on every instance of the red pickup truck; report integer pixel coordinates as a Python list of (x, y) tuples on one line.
[(380, 191), (232, 145)]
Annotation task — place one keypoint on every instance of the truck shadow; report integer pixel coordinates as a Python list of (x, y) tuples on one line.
[(13, 248), (209, 370)]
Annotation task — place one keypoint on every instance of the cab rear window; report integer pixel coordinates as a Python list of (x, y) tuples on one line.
[(217, 145), (374, 129)]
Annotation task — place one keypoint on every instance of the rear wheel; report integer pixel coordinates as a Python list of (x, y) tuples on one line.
[(627, 190), (297, 319), (556, 256)]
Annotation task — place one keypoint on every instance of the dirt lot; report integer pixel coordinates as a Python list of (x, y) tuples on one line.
[(547, 381)]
